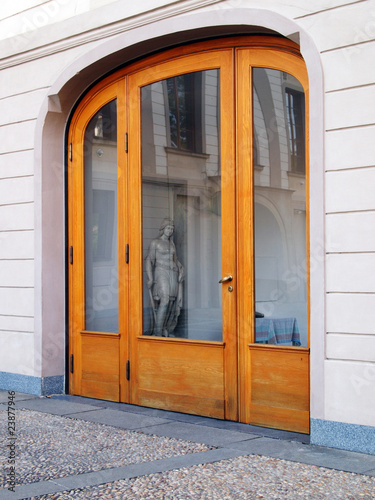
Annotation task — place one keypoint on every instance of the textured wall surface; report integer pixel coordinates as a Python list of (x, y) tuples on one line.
[(40, 39)]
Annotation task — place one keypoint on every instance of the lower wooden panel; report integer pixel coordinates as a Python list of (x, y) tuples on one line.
[(100, 366), (187, 404), (280, 418), (279, 394), (180, 375)]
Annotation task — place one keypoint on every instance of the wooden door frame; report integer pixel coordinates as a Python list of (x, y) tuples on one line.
[(264, 50), (95, 99), (250, 352), (157, 70)]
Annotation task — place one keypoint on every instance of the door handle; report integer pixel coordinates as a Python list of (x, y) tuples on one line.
[(226, 278)]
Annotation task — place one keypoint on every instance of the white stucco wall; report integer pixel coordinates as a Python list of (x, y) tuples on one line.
[(43, 44)]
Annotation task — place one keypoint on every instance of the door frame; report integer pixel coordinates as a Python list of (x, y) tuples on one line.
[(252, 355), (115, 84), (226, 352), (93, 101)]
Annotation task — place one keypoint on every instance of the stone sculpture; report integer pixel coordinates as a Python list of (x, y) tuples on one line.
[(165, 275)]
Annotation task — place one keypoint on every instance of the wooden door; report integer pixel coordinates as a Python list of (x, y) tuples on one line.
[(183, 348), (96, 211), (272, 169), (185, 169)]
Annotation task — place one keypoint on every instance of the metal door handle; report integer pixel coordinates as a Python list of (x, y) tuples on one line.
[(226, 278)]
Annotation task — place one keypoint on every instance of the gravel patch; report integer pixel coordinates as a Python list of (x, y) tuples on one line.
[(248, 477), (50, 447)]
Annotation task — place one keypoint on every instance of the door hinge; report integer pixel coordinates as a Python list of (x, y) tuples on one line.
[(71, 363), (127, 253), (128, 370), (71, 255), (70, 152), (126, 143)]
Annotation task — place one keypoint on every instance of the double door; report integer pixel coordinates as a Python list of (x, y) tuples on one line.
[(187, 230)]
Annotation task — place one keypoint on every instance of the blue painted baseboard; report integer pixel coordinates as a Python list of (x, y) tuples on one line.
[(344, 436), (40, 386)]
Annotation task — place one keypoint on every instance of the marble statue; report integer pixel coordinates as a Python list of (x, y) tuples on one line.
[(165, 275)]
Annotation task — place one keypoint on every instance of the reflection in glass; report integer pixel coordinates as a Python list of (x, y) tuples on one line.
[(185, 111), (101, 271), (279, 208), (165, 276), (181, 202)]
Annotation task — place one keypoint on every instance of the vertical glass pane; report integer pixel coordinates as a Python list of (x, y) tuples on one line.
[(181, 197), (101, 266), (279, 208)]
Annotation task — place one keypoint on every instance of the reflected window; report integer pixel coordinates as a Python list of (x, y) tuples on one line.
[(181, 207), (295, 108), (279, 208), (101, 256), (102, 228), (185, 111), (105, 124)]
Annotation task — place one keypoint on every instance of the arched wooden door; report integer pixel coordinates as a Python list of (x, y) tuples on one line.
[(187, 212)]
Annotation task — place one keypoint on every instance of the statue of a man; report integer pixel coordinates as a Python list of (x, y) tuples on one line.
[(165, 275)]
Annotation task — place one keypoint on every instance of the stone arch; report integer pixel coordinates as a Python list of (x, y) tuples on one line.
[(50, 152)]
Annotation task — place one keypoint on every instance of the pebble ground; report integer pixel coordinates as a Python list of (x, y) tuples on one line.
[(243, 478), (51, 446)]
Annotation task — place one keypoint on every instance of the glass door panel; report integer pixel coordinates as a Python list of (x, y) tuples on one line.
[(181, 207), (279, 208), (183, 342), (101, 254)]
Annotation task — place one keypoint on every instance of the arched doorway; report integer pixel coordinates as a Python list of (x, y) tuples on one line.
[(163, 178)]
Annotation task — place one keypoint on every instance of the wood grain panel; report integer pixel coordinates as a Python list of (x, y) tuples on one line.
[(280, 418), (279, 387), (184, 376), (194, 405), (100, 366)]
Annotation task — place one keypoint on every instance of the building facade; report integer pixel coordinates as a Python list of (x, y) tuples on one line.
[(149, 151)]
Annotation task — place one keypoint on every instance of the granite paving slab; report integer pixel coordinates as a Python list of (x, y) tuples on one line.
[(54, 407), (260, 431), (66, 449), (193, 419), (313, 455), (170, 415), (87, 480), (142, 410), (19, 396), (80, 399), (119, 418), (51, 446), (208, 435), (241, 478)]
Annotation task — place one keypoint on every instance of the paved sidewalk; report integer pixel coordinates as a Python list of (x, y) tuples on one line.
[(71, 447)]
